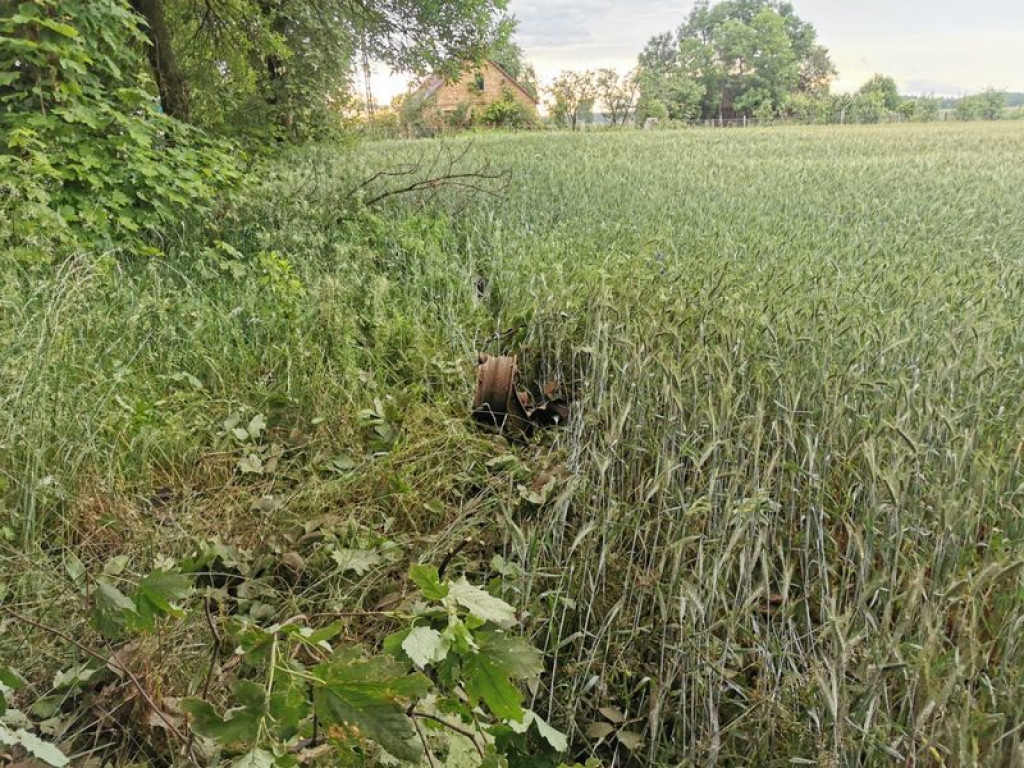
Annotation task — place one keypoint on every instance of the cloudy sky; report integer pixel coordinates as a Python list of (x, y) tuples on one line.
[(946, 47)]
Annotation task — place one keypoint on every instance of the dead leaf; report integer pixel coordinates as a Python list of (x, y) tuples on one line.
[(631, 740), (600, 730), (120, 660), (613, 714)]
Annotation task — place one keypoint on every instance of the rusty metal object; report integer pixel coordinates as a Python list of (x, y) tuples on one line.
[(500, 403)]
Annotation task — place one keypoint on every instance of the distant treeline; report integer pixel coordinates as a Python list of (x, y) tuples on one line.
[(1012, 99)]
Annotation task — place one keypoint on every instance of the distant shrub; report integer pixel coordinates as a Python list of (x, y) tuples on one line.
[(922, 110), (867, 107), (461, 117), (988, 105), (506, 113)]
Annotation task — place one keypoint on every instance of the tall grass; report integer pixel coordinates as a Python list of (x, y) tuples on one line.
[(784, 525)]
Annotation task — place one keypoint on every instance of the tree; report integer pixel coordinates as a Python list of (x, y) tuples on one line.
[(573, 95), (888, 89), (745, 56), (617, 94), (509, 55), (993, 104), (90, 156), (287, 61), (807, 107), (666, 86), (866, 107), (988, 105), (922, 109), (170, 80)]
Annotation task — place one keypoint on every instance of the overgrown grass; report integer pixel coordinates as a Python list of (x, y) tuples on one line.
[(783, 525)]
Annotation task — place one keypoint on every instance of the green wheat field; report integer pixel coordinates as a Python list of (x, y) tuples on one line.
[(783, 527)]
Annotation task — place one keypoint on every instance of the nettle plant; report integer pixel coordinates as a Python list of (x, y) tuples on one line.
[(445, 684)]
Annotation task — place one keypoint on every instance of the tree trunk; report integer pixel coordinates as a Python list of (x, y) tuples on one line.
[(276, 71), (173, 87)]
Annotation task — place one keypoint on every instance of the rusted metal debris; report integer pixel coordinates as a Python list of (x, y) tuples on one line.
[(502, 404)]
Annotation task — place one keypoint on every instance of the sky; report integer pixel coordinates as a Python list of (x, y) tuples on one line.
[(944, 47)]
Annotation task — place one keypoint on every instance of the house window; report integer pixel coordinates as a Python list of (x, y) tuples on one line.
[(478, 82)]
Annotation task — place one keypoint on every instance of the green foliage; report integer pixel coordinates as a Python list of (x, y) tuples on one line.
[(265, 70), (617, 95), (35, 747), (357, 697), (887, 88), (808, 108), (509, 55), (922, 109), (867, 107), (737, 56), (115, 614), (282, 69), (87, 156), (507, 112), (572, 97), (371, 695), (988, 105)]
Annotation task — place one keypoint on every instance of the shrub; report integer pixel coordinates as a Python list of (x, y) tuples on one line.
[(507, 113), (88, 154)]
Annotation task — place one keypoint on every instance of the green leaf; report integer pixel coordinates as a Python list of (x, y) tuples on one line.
[(631, 740), (239, 725), (324, 634), (514, 655), (371, 695), (481, 604), (427, 579), (551, 735), (392, 644), (156, 593), (6, 78), (115, 566), (112, 609), (11, 678), (74, 677), (486, 680), (425, 645), (60, 28), (257, 425), (288, 706), (250, 464)]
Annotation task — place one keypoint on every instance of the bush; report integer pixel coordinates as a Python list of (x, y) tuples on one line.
[(989, 105), (507, 113), (867, 107), (88, 154)]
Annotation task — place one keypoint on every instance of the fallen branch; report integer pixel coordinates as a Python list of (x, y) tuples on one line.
[(443, 171)]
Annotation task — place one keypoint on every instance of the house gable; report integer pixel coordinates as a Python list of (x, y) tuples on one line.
[(476, 87)]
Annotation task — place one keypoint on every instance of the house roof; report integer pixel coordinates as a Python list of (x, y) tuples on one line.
[(432, 84), (512, 80)]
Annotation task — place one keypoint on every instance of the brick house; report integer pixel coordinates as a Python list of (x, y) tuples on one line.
[(477, 88)]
